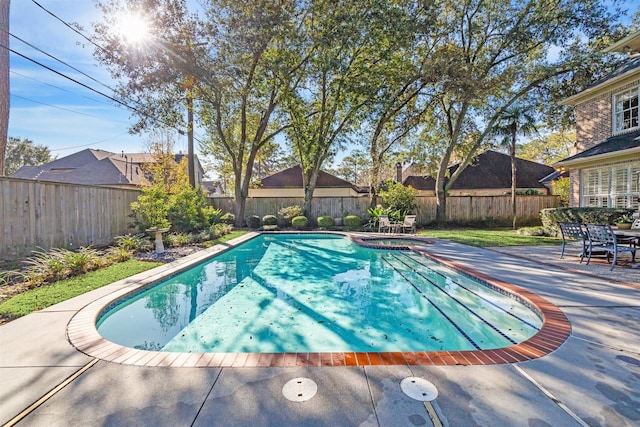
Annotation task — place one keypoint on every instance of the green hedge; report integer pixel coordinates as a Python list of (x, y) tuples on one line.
[(253, 221), (300, 222), (270, 220), (325, 221), (352, 222), (551, 216)]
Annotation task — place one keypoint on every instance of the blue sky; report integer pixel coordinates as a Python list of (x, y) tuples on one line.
[(56, 112)]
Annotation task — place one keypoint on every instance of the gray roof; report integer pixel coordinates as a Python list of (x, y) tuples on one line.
[(490, 170), (610, 145), (628, 65), (93, 167)]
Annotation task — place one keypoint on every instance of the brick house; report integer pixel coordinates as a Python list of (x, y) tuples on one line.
[(605, 171)]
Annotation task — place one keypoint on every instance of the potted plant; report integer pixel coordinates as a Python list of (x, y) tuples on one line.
[(624, 222)]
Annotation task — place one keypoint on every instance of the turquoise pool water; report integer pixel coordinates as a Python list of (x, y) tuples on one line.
[(317, 293)]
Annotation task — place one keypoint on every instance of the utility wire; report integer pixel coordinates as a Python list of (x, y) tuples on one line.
[(69, 26), (57, 87), (62, 108), (57, 59)]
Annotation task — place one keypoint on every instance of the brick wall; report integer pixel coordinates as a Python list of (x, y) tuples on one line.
[(594, 118)]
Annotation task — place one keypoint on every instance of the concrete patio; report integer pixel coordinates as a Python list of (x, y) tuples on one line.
[(592, 379)]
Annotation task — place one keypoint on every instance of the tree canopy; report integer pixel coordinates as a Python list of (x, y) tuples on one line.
[(24, 152)]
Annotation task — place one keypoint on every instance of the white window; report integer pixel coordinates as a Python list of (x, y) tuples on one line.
[(625, 110), (615, 186)]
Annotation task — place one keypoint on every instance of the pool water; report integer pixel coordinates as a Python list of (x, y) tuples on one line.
[(317, 293)]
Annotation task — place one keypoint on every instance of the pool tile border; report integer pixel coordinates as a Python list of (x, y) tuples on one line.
[(83, 335)]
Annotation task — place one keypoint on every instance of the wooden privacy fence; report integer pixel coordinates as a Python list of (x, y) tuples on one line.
[(54, 215), (459, 208)]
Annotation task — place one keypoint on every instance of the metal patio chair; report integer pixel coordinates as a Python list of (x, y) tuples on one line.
[(409, 223), (573, 233), (603, 238)]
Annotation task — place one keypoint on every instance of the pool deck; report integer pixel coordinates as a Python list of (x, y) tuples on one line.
[(593, 378)]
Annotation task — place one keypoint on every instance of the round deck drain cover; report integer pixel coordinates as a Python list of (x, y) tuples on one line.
[(299, 389), (419, 389)]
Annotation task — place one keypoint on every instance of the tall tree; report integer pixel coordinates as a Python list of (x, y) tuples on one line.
[(489, 55), (4, 80), (252, 66), (228, 69), (515, 120), (345, 48), (23, 152)]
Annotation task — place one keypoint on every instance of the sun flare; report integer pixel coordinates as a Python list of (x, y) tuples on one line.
[(133, 28)]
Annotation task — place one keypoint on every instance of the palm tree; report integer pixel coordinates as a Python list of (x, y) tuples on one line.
[(517, 119)]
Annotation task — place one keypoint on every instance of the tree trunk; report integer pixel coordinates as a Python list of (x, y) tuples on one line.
[(4, 81), (513, 177), (373, 184), (241, 200)]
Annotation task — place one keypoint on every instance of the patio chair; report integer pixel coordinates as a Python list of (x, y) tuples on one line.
[(573, 234), (409, 223), (603, 238), (384, 224)]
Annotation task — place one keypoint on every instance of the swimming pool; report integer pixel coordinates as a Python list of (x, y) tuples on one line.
[(318, 293)]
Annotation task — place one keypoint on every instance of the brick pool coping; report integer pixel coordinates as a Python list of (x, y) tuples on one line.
[(83, 335)]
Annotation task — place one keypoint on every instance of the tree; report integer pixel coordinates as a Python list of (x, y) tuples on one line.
[(4, 80), (354, 167), (23, 152), (252, 66), (487, 56), (551, 148), (514, 120), (345, 49), (229, 69)]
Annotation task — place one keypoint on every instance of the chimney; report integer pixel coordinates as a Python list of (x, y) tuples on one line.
[(399, 172)]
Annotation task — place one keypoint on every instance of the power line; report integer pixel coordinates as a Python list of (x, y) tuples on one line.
[(57, 87), (62, 108), (57, 59), (69, 26)]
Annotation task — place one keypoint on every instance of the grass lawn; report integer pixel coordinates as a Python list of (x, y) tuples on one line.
[(48, 295), (45, 296), (489, 237)]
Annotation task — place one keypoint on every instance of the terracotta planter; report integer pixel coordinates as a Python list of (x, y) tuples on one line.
[(623, 225)]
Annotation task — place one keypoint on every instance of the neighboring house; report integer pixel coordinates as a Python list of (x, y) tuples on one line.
[(212, 188), (605, 171), (288, 183), (489, 175), (97, 167)]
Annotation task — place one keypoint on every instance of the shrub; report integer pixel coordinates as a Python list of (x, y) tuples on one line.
[(287, 214), (187, 208), (151, 209), (228, 218), (300, 222), (399, 200), (550, 216), (325, 221), (219, 230), (133, 242), (82, 260), (212, 215), (253, 221), (352, 222), (270, 220), (177, 239), (117, 254)]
